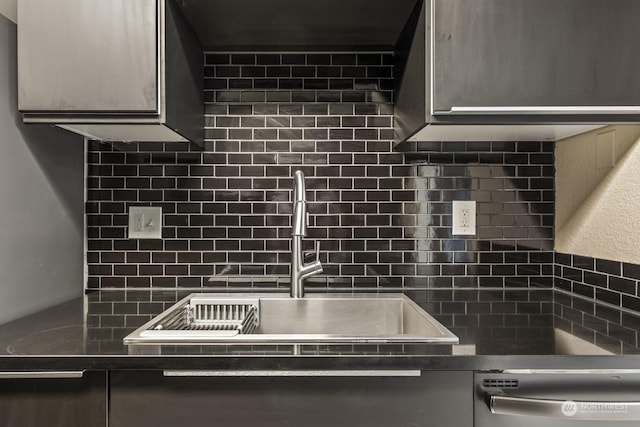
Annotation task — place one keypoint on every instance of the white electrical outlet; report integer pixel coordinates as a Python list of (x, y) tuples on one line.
[(145, 222), (463, 217)]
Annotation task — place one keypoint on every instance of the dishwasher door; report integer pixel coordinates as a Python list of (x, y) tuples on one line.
[(558, 398)]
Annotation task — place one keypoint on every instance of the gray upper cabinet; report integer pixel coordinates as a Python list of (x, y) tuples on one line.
[(540, 56), (542, 69), (111, 70), (84, 66)]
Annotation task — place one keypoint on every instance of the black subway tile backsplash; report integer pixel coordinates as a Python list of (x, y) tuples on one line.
[(383, 217), (631, 270), (608, 281)]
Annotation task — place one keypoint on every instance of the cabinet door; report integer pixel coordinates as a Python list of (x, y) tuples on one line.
[(534, 56), (54, 402), (88, 56), (147, 399)]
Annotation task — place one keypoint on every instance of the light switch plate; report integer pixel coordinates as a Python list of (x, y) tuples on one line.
[(145, 222), (463, 219)]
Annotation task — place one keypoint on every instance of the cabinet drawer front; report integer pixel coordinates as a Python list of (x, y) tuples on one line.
[(53, 399), (144, 399)]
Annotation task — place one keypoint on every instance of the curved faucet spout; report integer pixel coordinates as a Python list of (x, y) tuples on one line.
[(299, 219), (299, 205), (298, 187)]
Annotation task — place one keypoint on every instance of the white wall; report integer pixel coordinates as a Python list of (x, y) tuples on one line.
[(9, 8), (598, 194), (583, 161), (41, 203)]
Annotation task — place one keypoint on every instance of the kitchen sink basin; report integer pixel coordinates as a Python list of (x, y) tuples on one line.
[(278, 319)]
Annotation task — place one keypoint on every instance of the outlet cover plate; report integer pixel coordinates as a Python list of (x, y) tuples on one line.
[(463, 219), (145, 222)]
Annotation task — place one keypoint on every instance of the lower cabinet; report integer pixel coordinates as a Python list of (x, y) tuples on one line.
[(150, 399), (53, 399)]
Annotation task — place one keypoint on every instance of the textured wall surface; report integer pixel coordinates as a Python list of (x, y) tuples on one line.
[(583, 161), (605, 225), (383, 218)]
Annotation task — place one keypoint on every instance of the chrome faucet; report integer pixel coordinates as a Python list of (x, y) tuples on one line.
[(299, 270)]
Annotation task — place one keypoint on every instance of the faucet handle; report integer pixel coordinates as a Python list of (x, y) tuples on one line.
[(317, 250), (308, 255)]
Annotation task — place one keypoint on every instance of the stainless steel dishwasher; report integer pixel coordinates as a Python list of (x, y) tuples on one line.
[(562, 398)]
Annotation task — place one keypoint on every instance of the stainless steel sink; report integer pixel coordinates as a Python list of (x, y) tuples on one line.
[(279, 319)]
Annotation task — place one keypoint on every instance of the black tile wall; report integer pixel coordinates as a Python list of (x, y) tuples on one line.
[(382, 217), (611, 329), (113, 315), (513, 185), (522, 321), (607, 281), (495, 321)]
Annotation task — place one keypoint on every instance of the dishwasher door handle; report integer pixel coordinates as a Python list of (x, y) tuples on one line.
[(565, 409)]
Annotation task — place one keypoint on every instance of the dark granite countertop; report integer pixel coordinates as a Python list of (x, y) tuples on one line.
[(517, 328)]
